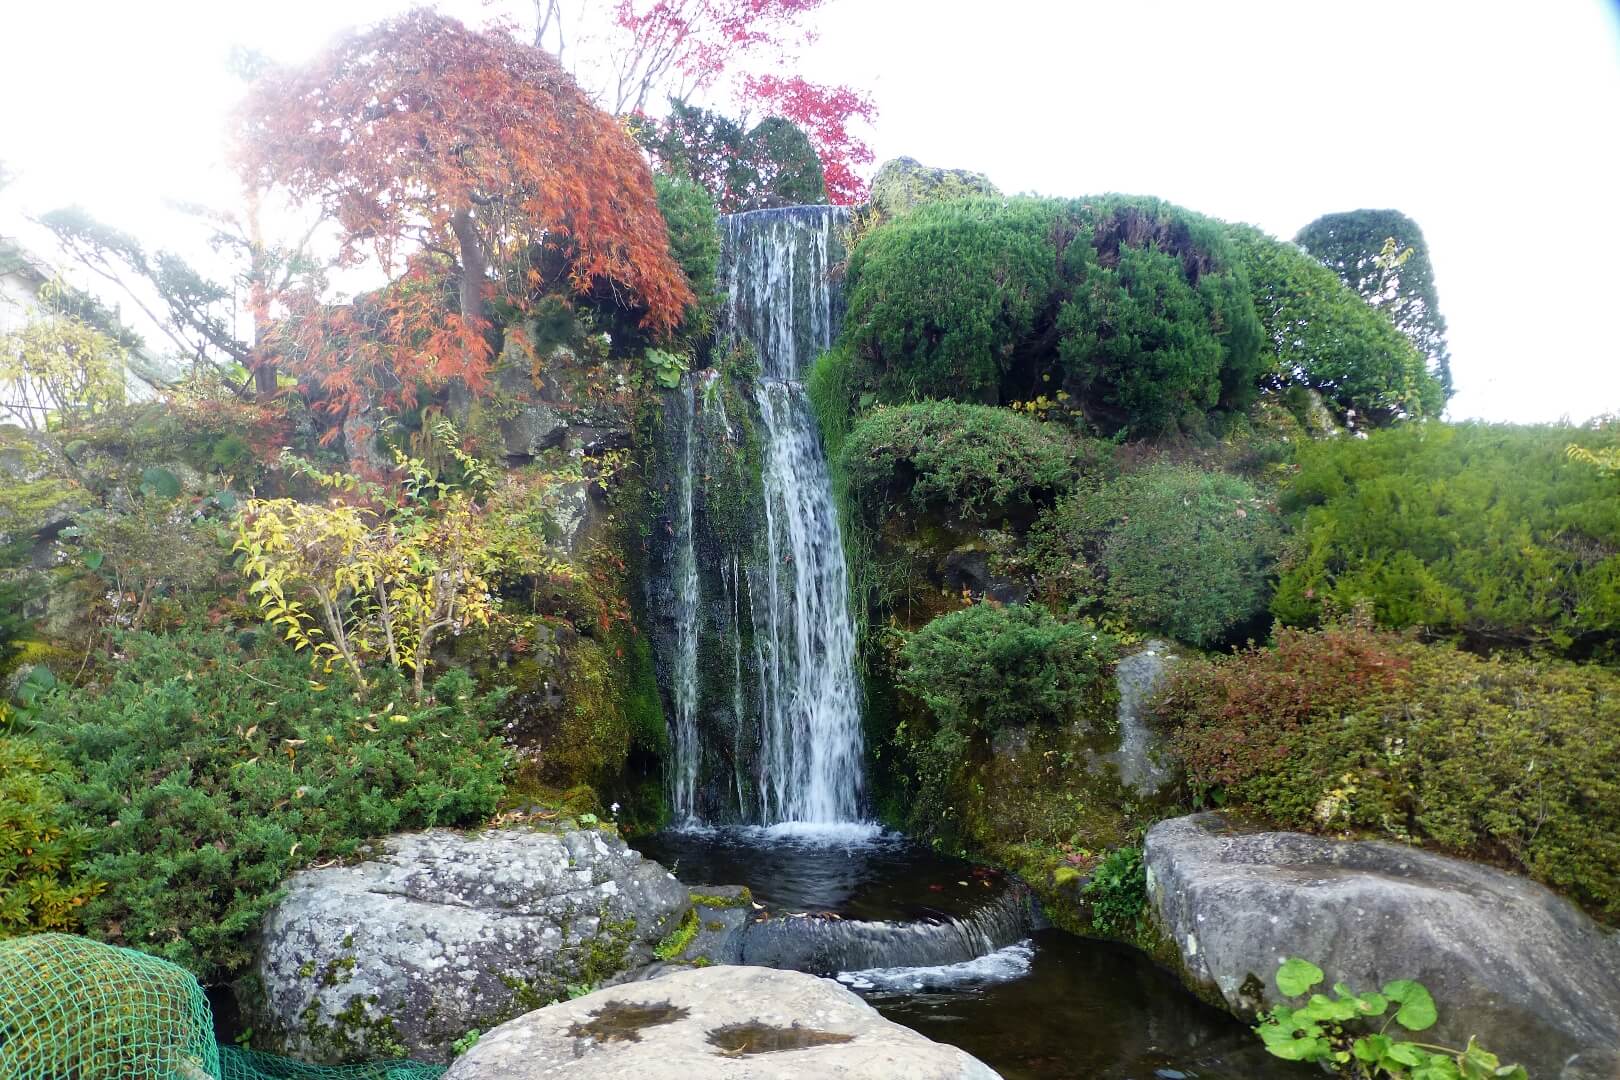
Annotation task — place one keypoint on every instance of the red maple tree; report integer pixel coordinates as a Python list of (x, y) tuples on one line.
[(681, 48), (420, 137)]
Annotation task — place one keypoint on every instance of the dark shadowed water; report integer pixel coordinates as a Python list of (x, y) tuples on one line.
[(1050, 1007), (857, 872), (1086, 1010)]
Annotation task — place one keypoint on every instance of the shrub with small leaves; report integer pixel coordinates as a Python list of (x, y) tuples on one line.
[(1178, 549), (208, 773), (971, 459), (42, 884), (982, 668), (1350, 728), (987, 666)]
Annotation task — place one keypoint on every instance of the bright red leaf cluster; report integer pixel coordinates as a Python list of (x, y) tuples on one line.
[(824, 114), (683, 46), (384, 348)]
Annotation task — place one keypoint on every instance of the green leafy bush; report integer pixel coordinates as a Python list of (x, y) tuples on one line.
[(1156, 328), (980, 669), (694, 242), (1117, 893), (1488, 533), (974, 459), (1175, 549), (209, 773), (1321, 335), (1130, 308), (42, 885), (986, 666), (1339, 1034), (1347, 727)]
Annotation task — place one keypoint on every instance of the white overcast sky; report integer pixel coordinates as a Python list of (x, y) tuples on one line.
[(1495, 124)]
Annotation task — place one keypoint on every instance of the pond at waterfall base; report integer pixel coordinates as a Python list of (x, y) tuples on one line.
[(1046, 1006)]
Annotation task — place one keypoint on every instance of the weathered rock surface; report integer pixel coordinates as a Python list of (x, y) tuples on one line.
[(445, 932), (1142, 764), (902, 183), (1505, 958), (716, 1023)]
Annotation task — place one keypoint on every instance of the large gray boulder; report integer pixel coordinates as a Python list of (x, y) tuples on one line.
[(441, 933), (715, 1023), (1505, 958), (902, 183)]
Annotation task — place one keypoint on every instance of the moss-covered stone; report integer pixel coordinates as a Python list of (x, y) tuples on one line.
[(902, 183)]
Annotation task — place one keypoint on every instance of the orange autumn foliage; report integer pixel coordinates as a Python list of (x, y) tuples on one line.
[(420, 137)]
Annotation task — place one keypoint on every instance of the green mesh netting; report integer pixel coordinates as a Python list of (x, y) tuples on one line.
[(75, 1009)]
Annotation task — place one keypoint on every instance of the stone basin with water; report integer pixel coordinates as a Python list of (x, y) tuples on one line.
[(966, 961)]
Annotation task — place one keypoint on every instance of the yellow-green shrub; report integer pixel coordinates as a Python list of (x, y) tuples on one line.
[(42, 884)]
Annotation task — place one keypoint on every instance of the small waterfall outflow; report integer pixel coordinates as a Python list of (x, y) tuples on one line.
[(829, 946), (758, 641)]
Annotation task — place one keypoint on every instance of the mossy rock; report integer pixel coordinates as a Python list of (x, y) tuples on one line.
[(902, 183)]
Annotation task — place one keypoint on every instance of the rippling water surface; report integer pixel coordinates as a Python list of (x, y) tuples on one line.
[(1049, 1007)]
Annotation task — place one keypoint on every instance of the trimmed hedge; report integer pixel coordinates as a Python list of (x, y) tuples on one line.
[(1322, 336), (974, 459), (1132, 310)]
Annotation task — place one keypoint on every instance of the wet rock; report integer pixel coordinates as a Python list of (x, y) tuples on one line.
[(1505, 958), (967, 568), (1144, 766), (536, 428), (902, 183), (444, 932), (718, 1023), (722, 913)]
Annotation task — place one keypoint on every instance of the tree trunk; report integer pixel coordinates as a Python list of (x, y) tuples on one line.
[(473, 265), (473, 268)]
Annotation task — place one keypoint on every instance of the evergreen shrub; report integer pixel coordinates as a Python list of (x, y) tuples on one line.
[(208, 773), (1485, 533), (1172, 548), (1322, 336), (989, 666), (974, 459), (980, 669), (1131, 310)]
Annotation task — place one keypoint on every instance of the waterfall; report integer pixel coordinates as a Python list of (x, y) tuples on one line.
[(755, 636), (780, 299), (811, 735), (686, 598)]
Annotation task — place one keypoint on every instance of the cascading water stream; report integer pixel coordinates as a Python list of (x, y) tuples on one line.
[(757, 642), (781, 300), (686, 599)]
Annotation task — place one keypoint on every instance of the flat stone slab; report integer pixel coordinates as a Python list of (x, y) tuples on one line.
[(714, 1023)]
